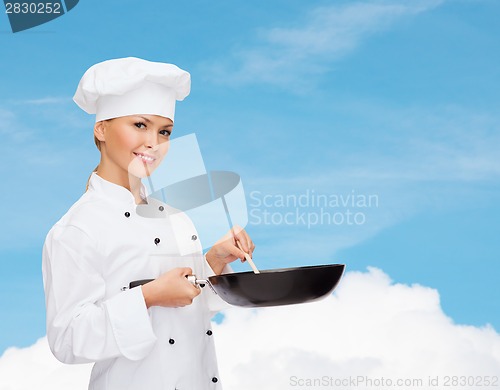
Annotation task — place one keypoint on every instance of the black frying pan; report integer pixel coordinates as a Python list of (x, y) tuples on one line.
[(285, 286)]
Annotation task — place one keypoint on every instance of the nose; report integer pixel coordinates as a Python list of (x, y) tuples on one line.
[(152, 141)]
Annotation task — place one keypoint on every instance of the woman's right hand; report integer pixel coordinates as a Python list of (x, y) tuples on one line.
[(171, 289)]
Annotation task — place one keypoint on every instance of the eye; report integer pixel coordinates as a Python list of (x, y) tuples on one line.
[(140, 125), (166, 133)]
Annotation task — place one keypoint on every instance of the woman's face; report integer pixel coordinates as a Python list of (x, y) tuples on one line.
[(134, 144)]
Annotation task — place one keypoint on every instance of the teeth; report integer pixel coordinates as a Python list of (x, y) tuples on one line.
[(146, 158)]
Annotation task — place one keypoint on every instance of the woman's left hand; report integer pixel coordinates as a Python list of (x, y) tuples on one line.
[(226, 250)]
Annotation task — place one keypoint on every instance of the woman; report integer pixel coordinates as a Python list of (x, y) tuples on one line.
[(155, 336)]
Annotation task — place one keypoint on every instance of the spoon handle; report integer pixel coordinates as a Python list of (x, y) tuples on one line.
[(249, 259)]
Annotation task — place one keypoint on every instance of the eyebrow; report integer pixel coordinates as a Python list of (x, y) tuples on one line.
[(149, 121)]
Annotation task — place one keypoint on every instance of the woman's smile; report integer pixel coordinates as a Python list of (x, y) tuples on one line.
[(146, 158)]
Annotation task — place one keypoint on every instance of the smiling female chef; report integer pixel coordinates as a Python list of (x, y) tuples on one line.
[(156, 336)]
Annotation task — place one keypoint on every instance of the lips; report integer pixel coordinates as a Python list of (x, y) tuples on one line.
[(146, 158)]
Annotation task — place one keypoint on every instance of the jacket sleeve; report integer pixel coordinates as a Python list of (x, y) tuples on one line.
[(83, 326), (213, 301)]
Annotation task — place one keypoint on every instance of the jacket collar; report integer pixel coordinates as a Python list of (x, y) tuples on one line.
[(112, 191)]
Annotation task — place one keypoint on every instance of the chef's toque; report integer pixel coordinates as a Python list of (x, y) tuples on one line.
[(131, 86)]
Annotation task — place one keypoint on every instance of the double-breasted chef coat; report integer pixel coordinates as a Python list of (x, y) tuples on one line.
[(100, 245)]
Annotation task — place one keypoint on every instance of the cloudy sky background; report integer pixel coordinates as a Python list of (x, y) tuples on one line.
[(388, 98), (399, 335)]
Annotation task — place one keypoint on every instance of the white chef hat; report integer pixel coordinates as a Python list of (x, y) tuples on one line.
[(129, 86)]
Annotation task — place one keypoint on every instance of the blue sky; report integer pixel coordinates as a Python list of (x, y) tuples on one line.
[(389, 98)]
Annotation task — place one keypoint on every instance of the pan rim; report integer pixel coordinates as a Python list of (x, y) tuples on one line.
[(282, 270)]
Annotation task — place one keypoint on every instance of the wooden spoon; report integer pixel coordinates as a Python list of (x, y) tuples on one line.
[(249, 259)]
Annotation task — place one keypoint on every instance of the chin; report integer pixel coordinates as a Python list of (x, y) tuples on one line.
[(140, 171)]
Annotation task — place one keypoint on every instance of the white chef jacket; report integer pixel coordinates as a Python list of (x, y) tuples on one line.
[(100, 245)]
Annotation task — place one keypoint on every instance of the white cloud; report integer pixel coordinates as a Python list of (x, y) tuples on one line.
[(285, 55), (44, 101), (371, 328), (36, 368)]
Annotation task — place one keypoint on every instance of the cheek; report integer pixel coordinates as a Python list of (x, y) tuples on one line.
[(164, 147), (163, 150), (128, 142)]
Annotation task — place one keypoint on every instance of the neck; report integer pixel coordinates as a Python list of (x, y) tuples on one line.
[(121, 178)]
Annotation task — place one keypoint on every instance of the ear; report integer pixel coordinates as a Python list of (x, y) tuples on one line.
[(100, 131)]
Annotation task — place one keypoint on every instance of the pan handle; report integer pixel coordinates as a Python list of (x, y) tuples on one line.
[(200, 282), (136, 283), (191, 279)]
